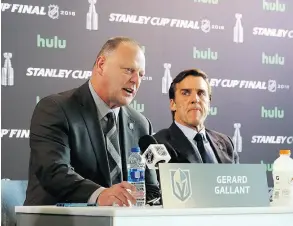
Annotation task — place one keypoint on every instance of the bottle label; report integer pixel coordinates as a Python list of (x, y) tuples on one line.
[(283, 186), (136, 175)]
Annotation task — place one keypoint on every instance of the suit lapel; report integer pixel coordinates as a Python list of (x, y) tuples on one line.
[(126, 137), (90, 116), (218, 146), (182, 145)]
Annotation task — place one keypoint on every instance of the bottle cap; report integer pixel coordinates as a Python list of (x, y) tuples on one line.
[(285, 152), (136, 149)]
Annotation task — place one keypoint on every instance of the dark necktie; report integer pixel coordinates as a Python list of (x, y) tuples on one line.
[(206, 158), (112, 143)]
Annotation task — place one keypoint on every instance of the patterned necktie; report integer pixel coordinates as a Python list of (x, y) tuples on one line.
[(206, 158), (112, 143)]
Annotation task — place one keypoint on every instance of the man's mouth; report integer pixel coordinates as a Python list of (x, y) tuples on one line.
[(195, 109), (129, 90)]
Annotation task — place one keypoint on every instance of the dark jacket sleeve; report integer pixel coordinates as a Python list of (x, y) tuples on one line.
[(234, 152), (50, 154), (152, 184)]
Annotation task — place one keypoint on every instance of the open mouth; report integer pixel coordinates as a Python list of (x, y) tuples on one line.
[(129, 90)]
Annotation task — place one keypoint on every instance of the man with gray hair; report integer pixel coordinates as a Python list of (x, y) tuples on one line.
[(80, 139)]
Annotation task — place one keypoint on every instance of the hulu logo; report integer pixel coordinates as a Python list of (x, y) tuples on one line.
[(269, 167), (275, 113), (137, 107), (204, 54), (54, 42), (273, 6), (273, 60), (208, 1), (213, 111)]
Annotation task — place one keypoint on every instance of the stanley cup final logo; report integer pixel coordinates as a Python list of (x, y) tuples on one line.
[(167, 79), (92, 16), (7, 72), (237, 139), (238, 29), (181, 184)]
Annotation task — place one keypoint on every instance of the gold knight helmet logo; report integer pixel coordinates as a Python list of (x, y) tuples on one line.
[(181, 184)]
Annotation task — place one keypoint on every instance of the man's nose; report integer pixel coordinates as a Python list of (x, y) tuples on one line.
[(195, 98), (135, 77)]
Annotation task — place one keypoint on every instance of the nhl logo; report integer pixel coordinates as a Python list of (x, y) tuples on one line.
[(205, 26), (53, 11), (272, 85)]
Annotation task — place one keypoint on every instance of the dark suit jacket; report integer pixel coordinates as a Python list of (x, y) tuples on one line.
[(181, 150), (68, 159)]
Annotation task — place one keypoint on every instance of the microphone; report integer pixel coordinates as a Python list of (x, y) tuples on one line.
[(152, 152)]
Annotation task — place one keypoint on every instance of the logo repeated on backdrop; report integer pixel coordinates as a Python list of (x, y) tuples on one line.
[(52, 11), (206, 49), (138, 107), (238, 29), (269, 166), (53, 42), (167, 79), (260, 139), (7, 71), (272, 59), (213, 111), (58, 73), (204, 25), (214, 2), (274, 6), (272, 113), (270, 85), (92, 16), (237, 138), (206, 54), (272, 32), (15, 133)]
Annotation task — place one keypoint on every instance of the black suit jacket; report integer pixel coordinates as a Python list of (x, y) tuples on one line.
[(68, 159), (181, 150)]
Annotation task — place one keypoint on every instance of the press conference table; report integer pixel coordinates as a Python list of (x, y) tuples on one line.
[(152, 216)]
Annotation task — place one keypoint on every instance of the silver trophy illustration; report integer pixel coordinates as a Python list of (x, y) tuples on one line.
[(237, 139), (238, 29), (167, 79), (92, 16), (7, 73)]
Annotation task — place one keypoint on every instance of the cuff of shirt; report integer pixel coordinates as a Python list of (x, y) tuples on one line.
[(94, 197)]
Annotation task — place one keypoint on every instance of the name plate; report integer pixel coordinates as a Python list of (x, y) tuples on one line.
[(191, 185)]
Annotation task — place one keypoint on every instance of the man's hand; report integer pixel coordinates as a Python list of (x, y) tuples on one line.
[(117, 194)]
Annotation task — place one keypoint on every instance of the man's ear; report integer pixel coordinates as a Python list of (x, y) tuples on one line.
[(172, 105), (100, 63)]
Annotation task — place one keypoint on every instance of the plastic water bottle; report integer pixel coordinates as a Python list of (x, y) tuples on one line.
[(283, 179), (136, 175)]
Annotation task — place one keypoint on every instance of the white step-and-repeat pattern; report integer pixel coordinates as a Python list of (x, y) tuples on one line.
[(246, 48)]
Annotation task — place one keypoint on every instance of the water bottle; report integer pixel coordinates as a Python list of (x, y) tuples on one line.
[(136, 175), (283, 179)]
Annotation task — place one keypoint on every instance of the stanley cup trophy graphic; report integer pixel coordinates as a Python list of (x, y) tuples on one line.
[(92, 16), (7, 73), (167, 79), (237, 139), (238, 29)]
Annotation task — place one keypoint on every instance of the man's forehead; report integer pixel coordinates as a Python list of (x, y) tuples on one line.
[(192, 85)]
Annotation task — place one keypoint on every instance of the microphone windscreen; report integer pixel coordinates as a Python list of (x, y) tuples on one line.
[(145, 141)]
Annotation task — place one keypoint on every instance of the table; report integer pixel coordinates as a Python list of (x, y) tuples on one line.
[(152, 216)]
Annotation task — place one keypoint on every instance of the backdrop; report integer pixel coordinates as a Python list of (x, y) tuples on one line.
[(244, 46)]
